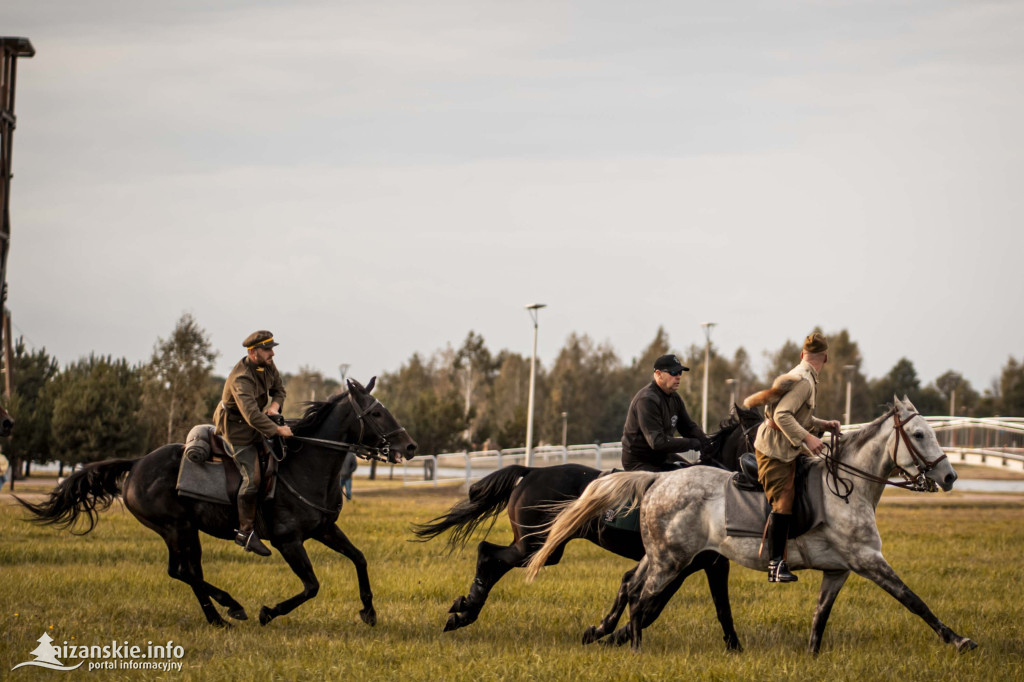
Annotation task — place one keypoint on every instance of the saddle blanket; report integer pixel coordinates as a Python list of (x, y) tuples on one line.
[(746, 511), (216, 480)]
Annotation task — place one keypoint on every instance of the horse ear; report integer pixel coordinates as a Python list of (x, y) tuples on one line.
[(354, 385), (369, 386), (734, 411), (895, 400)]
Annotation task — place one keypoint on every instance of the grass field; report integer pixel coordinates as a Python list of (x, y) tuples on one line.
[(962, 556)]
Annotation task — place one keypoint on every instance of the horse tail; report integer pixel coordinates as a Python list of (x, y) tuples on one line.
[(488, 497), (88, 491), (608, 492)]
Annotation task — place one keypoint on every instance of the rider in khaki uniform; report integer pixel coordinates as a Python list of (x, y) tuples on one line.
[(787, 428), (243, 418)]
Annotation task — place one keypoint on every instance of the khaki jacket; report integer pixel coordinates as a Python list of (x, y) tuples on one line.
[(793, 416), (248, 390)]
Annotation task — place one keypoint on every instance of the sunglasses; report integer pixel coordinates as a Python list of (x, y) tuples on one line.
[(673, 373)]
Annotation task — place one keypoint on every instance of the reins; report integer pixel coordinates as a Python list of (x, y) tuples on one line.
[(918, 483)]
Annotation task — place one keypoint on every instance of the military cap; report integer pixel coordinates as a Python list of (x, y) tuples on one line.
[(671, 364), (260, 339), (815, 343)]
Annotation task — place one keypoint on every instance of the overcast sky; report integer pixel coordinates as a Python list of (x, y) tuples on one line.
[(372, 179)]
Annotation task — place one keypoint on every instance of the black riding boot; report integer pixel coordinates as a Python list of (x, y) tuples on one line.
[(246, 536), (778, 534)]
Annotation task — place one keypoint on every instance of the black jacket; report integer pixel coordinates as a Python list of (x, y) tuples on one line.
[(647, 439)]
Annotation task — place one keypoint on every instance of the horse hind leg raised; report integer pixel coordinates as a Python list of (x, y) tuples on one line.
[(184, 563)]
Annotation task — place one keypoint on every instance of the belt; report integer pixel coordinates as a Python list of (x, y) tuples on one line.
[(233, 411)]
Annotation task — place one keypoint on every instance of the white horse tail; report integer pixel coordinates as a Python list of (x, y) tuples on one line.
[(608, 492)]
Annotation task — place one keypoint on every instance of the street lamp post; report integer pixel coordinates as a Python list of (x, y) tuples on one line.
[(848, 369), (343, 369), (731, 383), (534, 309), (707, 356)]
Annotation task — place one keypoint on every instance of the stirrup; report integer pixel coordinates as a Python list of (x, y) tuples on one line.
[(778, 572), (251, 543)]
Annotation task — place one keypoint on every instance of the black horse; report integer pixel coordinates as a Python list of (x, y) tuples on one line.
[(528, 494), (305, 504), (6, 422)]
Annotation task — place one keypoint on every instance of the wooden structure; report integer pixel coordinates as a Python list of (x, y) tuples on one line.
[(10, 49)]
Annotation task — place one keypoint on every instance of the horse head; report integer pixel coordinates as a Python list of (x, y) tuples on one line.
[(6, 423), (378, 428), (916, 452)]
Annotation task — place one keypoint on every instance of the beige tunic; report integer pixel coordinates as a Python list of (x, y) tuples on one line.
[(793, 417)]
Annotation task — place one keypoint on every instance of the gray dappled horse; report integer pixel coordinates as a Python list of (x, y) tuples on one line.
[(682, 514)]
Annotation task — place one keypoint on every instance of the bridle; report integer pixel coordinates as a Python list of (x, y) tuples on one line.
[(917, 483), (380, 451)]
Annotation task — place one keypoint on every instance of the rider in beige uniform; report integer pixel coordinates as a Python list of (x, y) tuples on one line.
[(786, 430), (243, 418)]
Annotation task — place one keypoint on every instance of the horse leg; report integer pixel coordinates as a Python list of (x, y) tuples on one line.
[(594, 633), (492, 563), (877, 569), (184, 563), (333, 537), (645, 608), (831, 583), (717, 573), (295, 554)]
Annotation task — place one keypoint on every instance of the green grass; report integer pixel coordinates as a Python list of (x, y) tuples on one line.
[(962, 558)]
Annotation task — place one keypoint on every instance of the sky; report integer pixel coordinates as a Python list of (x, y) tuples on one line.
[(372, 179)]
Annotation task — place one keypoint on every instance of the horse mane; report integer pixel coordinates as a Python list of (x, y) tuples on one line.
[(316, 412), (858, 438), (716, 440)]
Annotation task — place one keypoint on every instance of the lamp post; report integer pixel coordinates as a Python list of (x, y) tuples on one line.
[(343, 369), (731, 383), (534, 309), (707, 355), (848, 370), (565, 429)]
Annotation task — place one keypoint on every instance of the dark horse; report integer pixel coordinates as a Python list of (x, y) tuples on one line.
[(529, 493), (305, 504), (6, 422)]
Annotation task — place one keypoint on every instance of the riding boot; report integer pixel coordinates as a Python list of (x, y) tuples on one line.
[(778, 534), (247, 536)]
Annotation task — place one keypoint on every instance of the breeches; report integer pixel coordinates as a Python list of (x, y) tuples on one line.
[(778, 480), (248, 460)]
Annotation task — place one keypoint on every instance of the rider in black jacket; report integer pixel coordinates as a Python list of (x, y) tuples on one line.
[(655, 414)]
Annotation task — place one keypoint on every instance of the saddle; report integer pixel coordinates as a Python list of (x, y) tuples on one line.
[(208, 471), (747, 508)]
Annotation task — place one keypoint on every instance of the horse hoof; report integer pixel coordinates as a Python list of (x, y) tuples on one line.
[(369, 616), (733, 644), (238, 614), (266, 615), (452, 623), (590, 635), (966, 645), (457, 605), (220, 623)]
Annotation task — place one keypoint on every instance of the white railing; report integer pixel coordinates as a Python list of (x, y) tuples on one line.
[(471, 466)]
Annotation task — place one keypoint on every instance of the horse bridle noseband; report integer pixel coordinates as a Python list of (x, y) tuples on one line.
[(380, 452), (918, 483)]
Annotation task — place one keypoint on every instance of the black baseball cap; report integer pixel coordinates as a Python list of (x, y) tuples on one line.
[(670, 364)]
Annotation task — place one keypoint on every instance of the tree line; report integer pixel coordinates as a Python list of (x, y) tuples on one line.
[(454, 399)]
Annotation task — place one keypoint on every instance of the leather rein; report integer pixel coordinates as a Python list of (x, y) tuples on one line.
[(916, 483), (380, 452)]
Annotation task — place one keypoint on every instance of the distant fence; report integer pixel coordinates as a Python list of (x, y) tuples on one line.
[(996, 442)]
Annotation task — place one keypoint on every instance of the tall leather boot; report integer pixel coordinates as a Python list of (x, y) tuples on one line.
[(778, 534), (247, 536)]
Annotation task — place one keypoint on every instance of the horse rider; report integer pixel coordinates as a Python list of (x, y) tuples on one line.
[(253, 395), (655, 414), (787, 428)]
